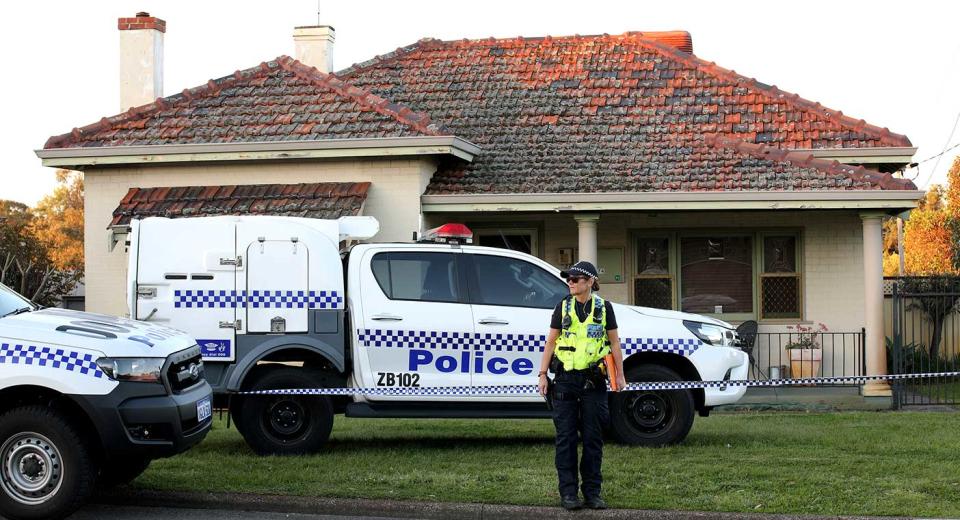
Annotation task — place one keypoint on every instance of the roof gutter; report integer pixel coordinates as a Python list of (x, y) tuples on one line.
[(875, 155), (78, 158), (892, 201)]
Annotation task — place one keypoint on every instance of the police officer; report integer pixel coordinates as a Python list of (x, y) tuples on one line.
[(582, 331)]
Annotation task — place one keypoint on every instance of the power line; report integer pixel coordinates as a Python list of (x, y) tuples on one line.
[(946, 148), (939, 154)]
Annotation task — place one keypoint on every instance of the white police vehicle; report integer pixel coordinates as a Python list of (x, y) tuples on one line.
[(89, 400), (283, 302)]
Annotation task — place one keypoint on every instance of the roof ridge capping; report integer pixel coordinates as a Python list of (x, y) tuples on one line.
[(885, 181), (677, 40)]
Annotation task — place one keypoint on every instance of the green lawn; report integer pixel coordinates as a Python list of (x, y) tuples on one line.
[(864, 463)]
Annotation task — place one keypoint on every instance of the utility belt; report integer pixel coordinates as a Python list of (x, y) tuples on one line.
[(593, 376)]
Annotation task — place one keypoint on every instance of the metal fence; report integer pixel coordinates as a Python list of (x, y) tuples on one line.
[(925, 338), (800, 355)]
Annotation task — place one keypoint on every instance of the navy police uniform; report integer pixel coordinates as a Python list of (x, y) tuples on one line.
[(579, 395)]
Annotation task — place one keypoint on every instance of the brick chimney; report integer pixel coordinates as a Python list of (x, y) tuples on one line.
[(314, 46), (141, 59)]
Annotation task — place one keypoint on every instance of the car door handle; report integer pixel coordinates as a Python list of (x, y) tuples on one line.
[(493, 321), (386, 317)]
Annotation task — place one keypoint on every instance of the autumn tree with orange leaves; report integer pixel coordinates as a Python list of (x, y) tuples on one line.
[(58, 222), (41, 248), (927, 236), (932, 250)]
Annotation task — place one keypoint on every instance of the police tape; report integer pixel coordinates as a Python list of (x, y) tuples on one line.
[(519, 390)]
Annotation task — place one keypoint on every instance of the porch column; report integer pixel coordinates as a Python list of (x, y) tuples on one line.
[(876, 355), (587, 233)]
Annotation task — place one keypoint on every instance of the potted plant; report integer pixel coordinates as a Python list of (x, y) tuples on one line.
[(805, 352)]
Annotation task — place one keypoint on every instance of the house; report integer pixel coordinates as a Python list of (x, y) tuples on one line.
[(693, 187)]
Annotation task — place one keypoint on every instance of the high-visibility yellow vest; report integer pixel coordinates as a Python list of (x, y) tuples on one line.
[(582, 344)]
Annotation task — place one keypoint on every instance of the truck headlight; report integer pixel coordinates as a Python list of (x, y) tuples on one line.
[(146, 370), (711, 334)]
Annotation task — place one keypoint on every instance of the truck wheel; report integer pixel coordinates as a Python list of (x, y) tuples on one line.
[(284, 424), (119, 472), (46, 467), (652, 418)]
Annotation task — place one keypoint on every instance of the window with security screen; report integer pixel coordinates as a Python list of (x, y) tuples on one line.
[(653, 283), (716, 274), (729, 273), (780, 291)]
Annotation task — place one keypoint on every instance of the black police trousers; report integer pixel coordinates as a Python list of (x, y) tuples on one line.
[(577, 409)]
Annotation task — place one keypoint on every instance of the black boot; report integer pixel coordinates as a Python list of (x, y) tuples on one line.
[(571, 502), (595, 503)]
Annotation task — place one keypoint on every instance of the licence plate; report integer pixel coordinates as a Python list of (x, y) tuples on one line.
[(204, 410)]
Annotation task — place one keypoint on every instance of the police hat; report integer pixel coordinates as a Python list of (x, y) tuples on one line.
[(580, 268)]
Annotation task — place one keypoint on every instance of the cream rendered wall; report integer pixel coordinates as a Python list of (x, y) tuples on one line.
[(394, 198)]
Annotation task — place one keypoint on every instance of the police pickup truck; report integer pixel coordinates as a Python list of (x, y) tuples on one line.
[(88, 400), (286, 302)]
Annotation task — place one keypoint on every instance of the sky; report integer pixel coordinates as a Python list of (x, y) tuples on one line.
[(894, 64)]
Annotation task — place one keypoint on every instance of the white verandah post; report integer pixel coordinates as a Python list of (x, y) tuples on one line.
[(876, 354), (587, 236)]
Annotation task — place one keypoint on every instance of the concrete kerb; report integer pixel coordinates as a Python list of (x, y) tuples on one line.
[(407, 509)]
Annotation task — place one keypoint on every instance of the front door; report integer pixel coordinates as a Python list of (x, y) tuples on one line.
[(415, 329), (513, 300)]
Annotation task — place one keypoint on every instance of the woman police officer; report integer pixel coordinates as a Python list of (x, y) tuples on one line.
[(583, 330)]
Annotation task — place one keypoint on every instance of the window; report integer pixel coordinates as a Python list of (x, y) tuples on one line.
[(514, 282), (653, 285), (523, 240), (779, 279), (734, 275), (716, 274), (417, 276)]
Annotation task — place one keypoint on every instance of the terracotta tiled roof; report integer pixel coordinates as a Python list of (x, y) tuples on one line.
[(712, 163), (280, 100), (605, 113), (325, 200), (627, 112)]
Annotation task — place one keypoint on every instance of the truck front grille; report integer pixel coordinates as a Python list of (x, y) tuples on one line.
[(185, 370)]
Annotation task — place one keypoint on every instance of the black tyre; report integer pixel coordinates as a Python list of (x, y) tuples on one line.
[(651, 418), (46, 467), (284, 424), (119, 472)]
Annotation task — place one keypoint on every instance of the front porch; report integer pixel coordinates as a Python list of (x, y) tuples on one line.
[(789, 270)]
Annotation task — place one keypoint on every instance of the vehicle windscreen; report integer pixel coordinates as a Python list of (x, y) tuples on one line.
[(11, 302)]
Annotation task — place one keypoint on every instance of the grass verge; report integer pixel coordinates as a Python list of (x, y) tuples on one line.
[(858, 463)]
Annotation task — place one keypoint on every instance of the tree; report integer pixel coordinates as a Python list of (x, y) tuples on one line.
[(41, 250), (927, 238), (58, 222), (932, 251), (953, 210)]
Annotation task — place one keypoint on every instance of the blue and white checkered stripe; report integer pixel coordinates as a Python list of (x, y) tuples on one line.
[(199, 299), (682, 346), (294, 299), (57, 358), (519, 390), (257, 299), (434, 339), (501, 342)]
